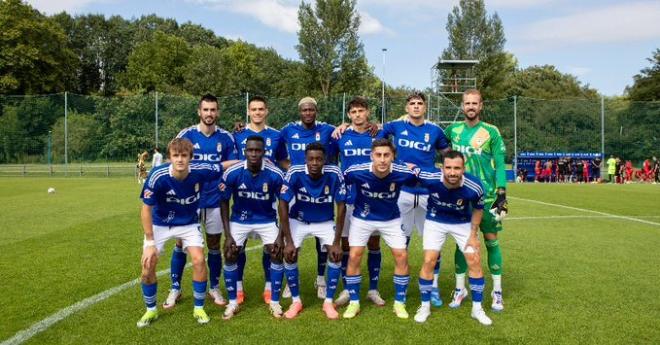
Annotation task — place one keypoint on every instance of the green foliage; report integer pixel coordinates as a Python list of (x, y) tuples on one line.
[(102, 45), (158, 64), (647, 82), (546, 82), (330, 47), (474, 35), (34, 57), (82, 131)]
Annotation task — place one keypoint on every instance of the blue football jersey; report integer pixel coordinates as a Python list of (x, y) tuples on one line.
[(175, 202), (213, 149), (353, 148), (297, 138), (254, 196), (376, 198), (453, 206), (314, 199), (275, 148), (415, 144)]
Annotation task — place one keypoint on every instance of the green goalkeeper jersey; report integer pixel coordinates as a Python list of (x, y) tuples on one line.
[(484, 152)]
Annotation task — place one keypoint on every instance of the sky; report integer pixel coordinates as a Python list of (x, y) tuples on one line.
[(602, 42)]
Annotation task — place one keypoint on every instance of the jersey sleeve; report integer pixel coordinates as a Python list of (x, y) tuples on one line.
[(278, 182), (388, 129), (499, 152), (478, 200), (150, 190), (340, 192), (280, 152), (286, 191), (230, 149), (441, 141), (226, 186), (429, 179)]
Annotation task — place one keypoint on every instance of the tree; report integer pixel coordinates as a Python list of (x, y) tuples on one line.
[(330, 48), (102, 47), (647, 82), (34, 55), (546, 82), (474, 35), (158, 64)]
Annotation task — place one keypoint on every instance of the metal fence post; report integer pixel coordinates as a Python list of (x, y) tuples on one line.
[(66, 134), (247, 107), (515, 135), (343, 108), (156, 122), (602, 127)]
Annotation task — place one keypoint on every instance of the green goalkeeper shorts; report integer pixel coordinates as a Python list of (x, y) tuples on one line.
[(488, 222)]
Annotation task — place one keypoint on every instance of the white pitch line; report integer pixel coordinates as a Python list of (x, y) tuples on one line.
[(568, 217), (609, 215), (24, 335)]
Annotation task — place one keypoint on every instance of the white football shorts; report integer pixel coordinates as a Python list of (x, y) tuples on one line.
[(413, 212), (190, 235), (267, 232), (436, 233), (210, 217), (324, 231), (390, 231)]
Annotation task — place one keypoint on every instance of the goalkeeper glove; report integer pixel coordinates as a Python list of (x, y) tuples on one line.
[(500, 207)]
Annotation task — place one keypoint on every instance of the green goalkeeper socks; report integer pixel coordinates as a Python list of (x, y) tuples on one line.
[(494, 257), (459, 261)]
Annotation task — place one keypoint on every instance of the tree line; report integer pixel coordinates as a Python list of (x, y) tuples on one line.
[(130, 58)]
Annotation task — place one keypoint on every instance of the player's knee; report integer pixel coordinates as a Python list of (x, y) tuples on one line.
[(213, 241), (401, 256), (197, 260)]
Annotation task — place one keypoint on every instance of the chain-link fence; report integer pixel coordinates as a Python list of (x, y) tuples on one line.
[(90, 135)]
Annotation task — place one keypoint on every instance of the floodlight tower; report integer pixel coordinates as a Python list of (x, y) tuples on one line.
[(449, 79)]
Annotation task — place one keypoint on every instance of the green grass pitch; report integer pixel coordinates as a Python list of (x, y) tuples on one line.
[(570, 276)]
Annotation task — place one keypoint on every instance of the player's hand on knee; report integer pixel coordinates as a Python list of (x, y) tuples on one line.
[(149, 257), (335, 253), (290, 253), (230, 249)]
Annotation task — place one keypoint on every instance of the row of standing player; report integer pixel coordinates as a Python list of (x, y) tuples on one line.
[(472, 137), (567, 169)]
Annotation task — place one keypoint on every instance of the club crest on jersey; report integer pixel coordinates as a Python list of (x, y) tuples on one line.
[(427, 137), (284, 189), (219, 147), (196, 187), (265, 188), (318, 136), (392, 187), (459, 202), (268, 141), (327, 190), (148, 193)]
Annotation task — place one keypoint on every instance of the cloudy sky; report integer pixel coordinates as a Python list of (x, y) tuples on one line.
[(603, 42)]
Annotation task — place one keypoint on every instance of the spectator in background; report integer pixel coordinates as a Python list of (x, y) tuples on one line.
[(537, 171), (647, 171), (595, 169), (547, 171), (579, 171), (157, 158), (611, 169), (629, 171), (561, 169), (619, 170), (585, 171), (656, 170)]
